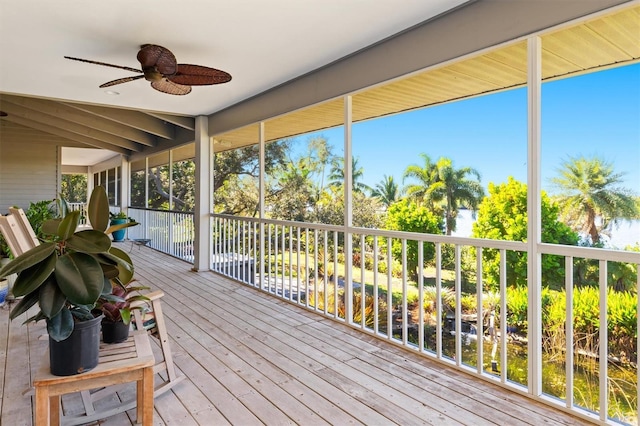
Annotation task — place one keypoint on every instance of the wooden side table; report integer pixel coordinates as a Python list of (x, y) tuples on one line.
[(130, 361)]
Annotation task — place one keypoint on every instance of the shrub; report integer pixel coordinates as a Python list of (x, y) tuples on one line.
[(517, 307)]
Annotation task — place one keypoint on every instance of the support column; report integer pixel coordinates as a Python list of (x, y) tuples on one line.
[(125, 184), (203, 196), (534, 270), (261, 190), (348, 214)]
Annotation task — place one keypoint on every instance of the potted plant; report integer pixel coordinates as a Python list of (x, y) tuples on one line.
[(119, 219), (116, 308), (65, 275)]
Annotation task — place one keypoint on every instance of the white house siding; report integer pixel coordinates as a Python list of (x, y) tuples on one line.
[(28, 172)]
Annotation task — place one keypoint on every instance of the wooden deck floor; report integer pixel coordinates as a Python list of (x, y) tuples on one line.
[(252, 359)]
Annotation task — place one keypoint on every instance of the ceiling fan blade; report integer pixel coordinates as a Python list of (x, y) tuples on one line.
[(120, 81), (166, 86), (158, 57), (88, 61), (197, 75)]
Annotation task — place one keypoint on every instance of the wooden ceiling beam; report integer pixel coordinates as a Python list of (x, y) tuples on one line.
[(188, 123), (59, 109), (135, 119), (62, 124), (73, 137)]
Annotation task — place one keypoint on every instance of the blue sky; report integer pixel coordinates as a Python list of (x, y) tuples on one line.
[(594, 114)]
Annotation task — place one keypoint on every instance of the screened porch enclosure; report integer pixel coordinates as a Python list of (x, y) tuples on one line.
[(485, 307)]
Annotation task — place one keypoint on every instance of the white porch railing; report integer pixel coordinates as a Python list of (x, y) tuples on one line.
[(170, 232), (82, 208), (305, 264)]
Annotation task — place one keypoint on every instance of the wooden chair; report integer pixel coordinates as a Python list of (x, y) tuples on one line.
[(153, 321), (18, 232)]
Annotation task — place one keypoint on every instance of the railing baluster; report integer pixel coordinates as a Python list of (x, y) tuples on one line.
[(604, 376), (503, 316), (326, 271), (376, 302), (439, 309), (298, 264), (290, 264), (404, 311), (363, 287), (479, 313), (568, 289), (421, 296), (389, 290), (458, 286), (335, 274)]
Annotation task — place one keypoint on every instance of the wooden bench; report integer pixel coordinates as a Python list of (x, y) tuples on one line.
[(153, 323), (119, 363)]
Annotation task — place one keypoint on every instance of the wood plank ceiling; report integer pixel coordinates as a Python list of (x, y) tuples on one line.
[(607, 41)]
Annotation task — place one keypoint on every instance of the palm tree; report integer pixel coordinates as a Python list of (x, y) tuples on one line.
[(387, 191), (425, 176), (588, 190), (441, 185), (336, 175), (455, 190)]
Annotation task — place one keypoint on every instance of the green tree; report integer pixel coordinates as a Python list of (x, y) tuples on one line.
[(182, 190), (336, 175), (73, 188), (387, 191), (330, 210), (503, 216), (293, 196), (411, 217), (588, 190), (234, 168)]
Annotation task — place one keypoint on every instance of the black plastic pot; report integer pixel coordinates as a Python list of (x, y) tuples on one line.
[(77, 353), (114, 332)]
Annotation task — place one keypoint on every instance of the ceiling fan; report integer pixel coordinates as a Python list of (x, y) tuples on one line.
[(160, 67)]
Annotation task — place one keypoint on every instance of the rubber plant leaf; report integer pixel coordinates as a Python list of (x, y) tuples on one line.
[(68, 225), (28, 259), (98, 210), (120, 226), (109, 271), (80, 278), (24, 305), (51, 298), (125, 265), (32, 278), (60, 326), (50, 227), (106, 286), (89, 241)]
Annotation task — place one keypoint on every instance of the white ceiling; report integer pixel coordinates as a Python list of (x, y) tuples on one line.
[(84, 156), (261, 43)]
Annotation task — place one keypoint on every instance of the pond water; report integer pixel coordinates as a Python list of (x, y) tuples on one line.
[(622, 379)]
